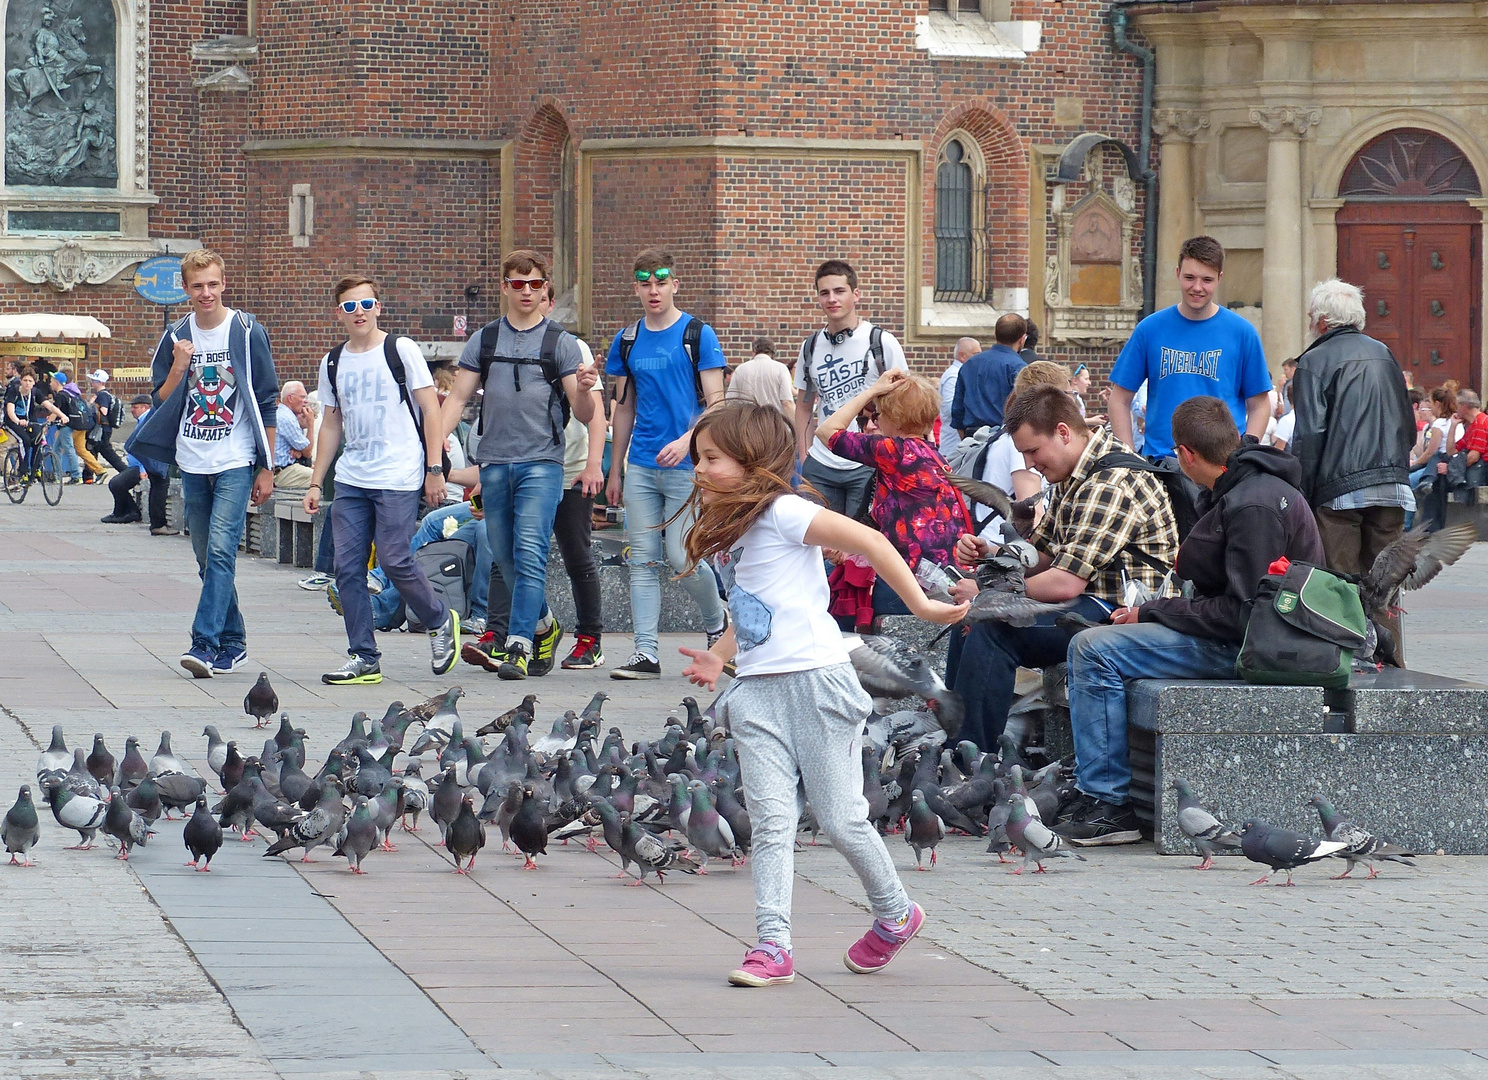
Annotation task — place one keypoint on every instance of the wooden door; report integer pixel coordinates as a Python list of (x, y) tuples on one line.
[(1420, 269)]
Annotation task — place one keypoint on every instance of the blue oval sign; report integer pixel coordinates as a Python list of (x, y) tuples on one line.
[(158, 280)]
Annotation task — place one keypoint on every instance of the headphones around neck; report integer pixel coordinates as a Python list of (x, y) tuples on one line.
[(839, 337)]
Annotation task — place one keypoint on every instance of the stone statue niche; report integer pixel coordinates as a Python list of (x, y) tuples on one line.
[(60, 96)]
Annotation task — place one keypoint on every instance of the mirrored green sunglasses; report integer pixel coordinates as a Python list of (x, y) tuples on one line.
[(661, 273)]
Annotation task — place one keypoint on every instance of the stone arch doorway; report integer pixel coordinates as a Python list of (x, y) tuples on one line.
[(1408, 237)]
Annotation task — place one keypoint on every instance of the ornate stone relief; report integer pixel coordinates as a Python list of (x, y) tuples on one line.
[(75, 262), (1287, 119), (1093, 282), (1178, 123)]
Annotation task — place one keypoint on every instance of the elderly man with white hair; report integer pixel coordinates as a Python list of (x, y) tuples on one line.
[(294, 451), (950, 438), (1354, 432)]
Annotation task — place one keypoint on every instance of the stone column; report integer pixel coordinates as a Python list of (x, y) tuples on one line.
[(1176, 191), (1283, 302)]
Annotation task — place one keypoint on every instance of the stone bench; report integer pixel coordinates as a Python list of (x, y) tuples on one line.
[(296, 532), (1401, 752)]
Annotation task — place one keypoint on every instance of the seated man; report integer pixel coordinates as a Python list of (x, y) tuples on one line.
[(1253, 514), (294, 450), (1105, 528), (123, 483)]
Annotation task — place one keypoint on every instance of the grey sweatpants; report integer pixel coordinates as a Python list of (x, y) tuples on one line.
[(806, 726)]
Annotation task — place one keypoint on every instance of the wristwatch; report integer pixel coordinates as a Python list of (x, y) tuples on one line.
[(435, 470)]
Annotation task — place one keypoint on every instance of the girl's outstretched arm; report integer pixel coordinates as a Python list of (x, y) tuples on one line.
[(833, 530), (707, 665)]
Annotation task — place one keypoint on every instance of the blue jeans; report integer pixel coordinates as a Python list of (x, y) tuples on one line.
[(216, 510), (61, 441), (362, 515), (652, 496), (1100, 663), (431, 529), (988, 662), (521, 500)]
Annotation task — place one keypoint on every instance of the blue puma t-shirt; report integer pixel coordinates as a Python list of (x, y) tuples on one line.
[(1181, 358), (661, 379)]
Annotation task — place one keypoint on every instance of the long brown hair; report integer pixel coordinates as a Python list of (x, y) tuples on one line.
[(763, 441)]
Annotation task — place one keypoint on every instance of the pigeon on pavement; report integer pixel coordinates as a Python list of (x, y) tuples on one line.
[(132, 767), (79, 780), (320, 826), (386, 809), (529, 828), (707, 832), (261, 702), (466, 835), (1205, 830), (80, 813), (21, 828), (445, 806), (202, 836), (165, 761), (216, 749), (1362, 846), (146, 799), (438, 716), (101, 762), (232, 767), (357, 837), (178, 791), (53, 763), (1035, 839), (526, 711), (1282, 849), (124, 825), (926, 830)]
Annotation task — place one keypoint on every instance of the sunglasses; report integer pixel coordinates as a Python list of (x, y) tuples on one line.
[(366, 304), (661, 274), (525, 284)]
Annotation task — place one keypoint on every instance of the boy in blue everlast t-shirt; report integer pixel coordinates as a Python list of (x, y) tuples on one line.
[(657, 390), (1193, 349)]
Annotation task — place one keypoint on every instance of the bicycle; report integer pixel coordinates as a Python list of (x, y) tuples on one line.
[(46, 470)]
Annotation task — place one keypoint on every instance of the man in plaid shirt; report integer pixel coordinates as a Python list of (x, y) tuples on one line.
[(1105, 529)]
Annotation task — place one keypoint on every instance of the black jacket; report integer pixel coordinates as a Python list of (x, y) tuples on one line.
[(1355, 427), (1254, 515)]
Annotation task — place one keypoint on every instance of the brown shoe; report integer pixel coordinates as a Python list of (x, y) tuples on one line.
[(164, 530)]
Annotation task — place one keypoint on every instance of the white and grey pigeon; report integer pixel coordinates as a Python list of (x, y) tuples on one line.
[(53, 763), (1282, 849), (564, 736), (78, 812), (165, 761), (1363, 847), (438, 715), (1205, 830), (1035, 839), (216, 749), (79, 780)]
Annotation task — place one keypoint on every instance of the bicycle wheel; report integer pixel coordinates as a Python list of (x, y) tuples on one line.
[(51, 477), (15, 477)]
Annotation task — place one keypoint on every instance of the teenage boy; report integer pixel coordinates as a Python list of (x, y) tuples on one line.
[(667, 368), (533, 377), (1194, 348), (376, 391), (110, 415), (27, 409), (69, 398), (837, 364), (215, 390)]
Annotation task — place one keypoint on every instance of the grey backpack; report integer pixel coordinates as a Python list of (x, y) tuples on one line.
[(450, 567)]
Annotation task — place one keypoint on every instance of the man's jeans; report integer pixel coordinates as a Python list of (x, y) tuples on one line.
[(520, 500), (988, 663), (847, 491), (1100, 663), (60, 440), (216, 509), (361, 516), (431, 529), (652, 496), (573, 528)]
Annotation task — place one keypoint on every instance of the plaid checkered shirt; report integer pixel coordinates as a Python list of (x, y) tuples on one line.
[(1093, 519)]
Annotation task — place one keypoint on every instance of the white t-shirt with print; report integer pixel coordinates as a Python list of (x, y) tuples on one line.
[(216, 433), (778, 595), (381, 448), (835, 374)]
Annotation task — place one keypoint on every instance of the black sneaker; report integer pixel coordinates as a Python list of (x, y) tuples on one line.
[(1076, 806), (545, 650), (639, 666), (515, 665), (1101, 825), (715, 635)]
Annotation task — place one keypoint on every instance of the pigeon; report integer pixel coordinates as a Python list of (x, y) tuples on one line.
[(1014, 609), (525, 711), (357, 837), (466, 836), (124, 825), (232, 767), (271, 813), (291, 740), (989, 495), (416, 795), (202, 836), (178, 791), (21, 828), (1032, 837), (165, 761), (146, 799), (1205, 830), (1362, 846), (891, 669), (100, 762), (445, 806), (386, 809), (133, 767), (707, 832), (873, 788), (529, 828), (79, 780), (261, 702), (357, 736), (592, 711), (438, 716), (564, 734), (53, 763), (321, 826), (293, 783), (1282, 849), (216, 750), (371, 775), (80, 813), (1410, 562), (730, 809), (502, 808), (235, 811), (926, 830), (651, 852)]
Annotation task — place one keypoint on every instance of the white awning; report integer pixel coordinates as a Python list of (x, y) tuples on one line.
[(32, 327)]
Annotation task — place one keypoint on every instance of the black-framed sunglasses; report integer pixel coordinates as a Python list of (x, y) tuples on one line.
[(523, 284), (366, 303), (661, 274)]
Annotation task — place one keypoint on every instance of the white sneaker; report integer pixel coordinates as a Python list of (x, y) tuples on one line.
[(314, 582)]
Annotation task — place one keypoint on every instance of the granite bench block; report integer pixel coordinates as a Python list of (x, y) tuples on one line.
[(1426, 792), (1411, 701), (1203, 706), (678, 613)]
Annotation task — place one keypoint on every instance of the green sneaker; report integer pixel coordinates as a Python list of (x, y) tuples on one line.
[(544, 649), (515, 665)]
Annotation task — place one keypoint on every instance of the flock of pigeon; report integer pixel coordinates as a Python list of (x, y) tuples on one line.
[(663, 806)]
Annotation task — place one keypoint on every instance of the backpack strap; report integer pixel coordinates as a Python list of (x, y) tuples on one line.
[(546, 360), (400, 376), (627, 342), (548, 356), (875, 350), (692, 345), (1124, 459), (488, 336), (979, 463)]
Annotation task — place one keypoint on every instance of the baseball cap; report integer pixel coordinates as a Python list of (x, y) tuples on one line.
[(99, 376), (60, 376), (140, 399)]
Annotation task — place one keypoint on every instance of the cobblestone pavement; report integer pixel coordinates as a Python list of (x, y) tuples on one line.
[(1128, 966)]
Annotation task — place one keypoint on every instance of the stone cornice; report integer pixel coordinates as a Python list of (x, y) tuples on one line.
[(371, 147), (750, 145)]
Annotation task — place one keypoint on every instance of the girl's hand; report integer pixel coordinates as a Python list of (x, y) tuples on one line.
[(705, 668), (936, 612), (887, 381)]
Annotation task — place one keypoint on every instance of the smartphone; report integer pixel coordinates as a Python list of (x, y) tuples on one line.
[(475, 502)]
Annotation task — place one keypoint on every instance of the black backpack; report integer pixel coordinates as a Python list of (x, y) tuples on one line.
[(1181, 494), (81, 413), (692, 345), (875, 350), (547, 361), (394, 363), (115, 412)]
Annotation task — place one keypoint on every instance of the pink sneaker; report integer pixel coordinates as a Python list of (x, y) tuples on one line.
[(873, 951), (764, 965)]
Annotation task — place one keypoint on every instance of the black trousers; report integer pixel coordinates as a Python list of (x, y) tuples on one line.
[(573, 528), (122, 486), (104, 448)]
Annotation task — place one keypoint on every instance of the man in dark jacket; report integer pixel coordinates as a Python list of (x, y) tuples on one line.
[(1354, 432), (986, 379), (1253, 514)]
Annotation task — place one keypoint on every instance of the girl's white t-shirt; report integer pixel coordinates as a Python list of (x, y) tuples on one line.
[(778, 595)]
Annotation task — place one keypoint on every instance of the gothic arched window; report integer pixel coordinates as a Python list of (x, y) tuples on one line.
[(960, 236)]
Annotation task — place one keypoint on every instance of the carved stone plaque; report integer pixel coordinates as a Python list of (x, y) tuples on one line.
[(1096, 236)]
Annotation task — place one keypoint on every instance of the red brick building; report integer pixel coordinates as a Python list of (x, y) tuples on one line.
[(417, 140)]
